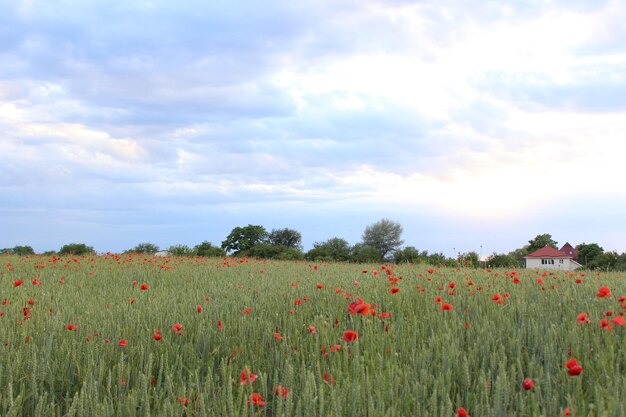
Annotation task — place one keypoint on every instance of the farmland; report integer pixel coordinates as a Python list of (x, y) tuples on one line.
[(140, 335)]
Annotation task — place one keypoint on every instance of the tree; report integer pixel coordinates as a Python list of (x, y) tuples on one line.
[(149, 248), (410, 255), (587, 254), (384, 236), (364, 253), (288, 238), (470, 259), (501, 260), (22, 251), (268, 251), (75, 249), (242, 239), (334, 249), (209, 250), (180, 250), (540, 241)]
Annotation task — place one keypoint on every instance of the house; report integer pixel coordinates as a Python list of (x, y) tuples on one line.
[(551, 258), (570, 250)]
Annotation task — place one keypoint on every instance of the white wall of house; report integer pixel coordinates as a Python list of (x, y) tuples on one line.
[(565, 264)]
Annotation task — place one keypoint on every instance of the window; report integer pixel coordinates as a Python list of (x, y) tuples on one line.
[(547, 262)]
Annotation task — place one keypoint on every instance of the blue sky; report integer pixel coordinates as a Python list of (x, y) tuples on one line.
[(475, 124)]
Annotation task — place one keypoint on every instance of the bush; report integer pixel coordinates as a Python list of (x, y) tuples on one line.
[(76, 249), (180, 250), (209, 250)]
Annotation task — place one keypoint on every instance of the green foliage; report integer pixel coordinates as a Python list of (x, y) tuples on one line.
[(180, 250), (288, 238), (384, 236), (334, 249), (364, 253), (269, 251), (587, 254), (540, 241), (148, 248), (22, 251), (76, 249), (242, 239), (470, 259), (409, 254), (209, 250), (501, 260)]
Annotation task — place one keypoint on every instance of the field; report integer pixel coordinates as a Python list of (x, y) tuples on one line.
[(149, 336)]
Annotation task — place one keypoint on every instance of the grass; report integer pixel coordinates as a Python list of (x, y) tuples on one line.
[(420, 361)]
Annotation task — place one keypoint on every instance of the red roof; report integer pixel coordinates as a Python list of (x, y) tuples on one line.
[(548, 252)]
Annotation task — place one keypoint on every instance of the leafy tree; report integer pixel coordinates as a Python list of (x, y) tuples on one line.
[(149, 248), (470, 259), (209, 250), (334, 249), (269, 251), (364, 253), (384, 236), (6, 251), (286, 237), (409, 254), (501, 260), (180, 250), (587, 254), (242, 239), (75, 249), (607, 261), (539, 242), (22, 251)]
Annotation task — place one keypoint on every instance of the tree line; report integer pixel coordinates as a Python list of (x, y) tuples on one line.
[(380, 242)]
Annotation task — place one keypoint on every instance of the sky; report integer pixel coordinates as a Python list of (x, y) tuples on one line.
[(475, 124)]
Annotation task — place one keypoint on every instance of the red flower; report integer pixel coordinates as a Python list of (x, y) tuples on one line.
[(350, 336), (430, 270), (394, 290), (36, 281), (497, 298), (247, 377), (567, 412), (618, 320), (134, 283), (335, 348), (446, 307), (311, 329), (282, 391), (247, 311), (605, 324), (144, 287), (184, 401), (256, 399), (220, 326), (320, 286), (71, 326), (462, 412), (583, 318), (359, 307), (199, 308), (122, 342), (438, 299), (177, 328), (384, 315), (297, 302), (528, 384), (17, 283), (329, 378), (603, 292), (573, 367)]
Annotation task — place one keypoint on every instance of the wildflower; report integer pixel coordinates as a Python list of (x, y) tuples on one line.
[(335, 348), (156, 335), (384, 315), (394, 290), (573, 367), (220, 326), (256, 399), (350, 336), (311, 329), (604, 324), (144, 287), (567, 412), (329, 378), (17, 283), (528, 384), (247, 377), (36, 281), (122, 342), (184, 401), (462, 412), (71, 327), (604, 292), (359, 307), (446, 307), (618, 320), (320, 286), (282, 391), (177, 328), (199, 308), (583, 318)]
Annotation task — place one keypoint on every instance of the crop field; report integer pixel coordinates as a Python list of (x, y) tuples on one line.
[(164, 336)]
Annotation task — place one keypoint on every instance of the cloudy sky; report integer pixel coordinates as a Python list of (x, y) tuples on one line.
[(475, 124)]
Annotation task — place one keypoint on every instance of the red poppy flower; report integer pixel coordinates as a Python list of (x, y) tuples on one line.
[(446, 307), (71, 326), (184, 401), (134, 283), (335, 348), (177, 328), (297, 302), (528, 384), (394, 290), (573, 367), (122, 342), (605, 324), (438, 299), (359, 307), (583, 318), (220, 326), (17, 283), (277, 336), (462, 412), (311, 329), (256, 399), (247, 311), (329, 378), (320, 286), (36, 281), (603, 292), (144, 287), (430, 270), (199, 308), (282, 391), (156, 335), (384, 315), (247, 377), (618, 321), (567, 412), (350, 336)]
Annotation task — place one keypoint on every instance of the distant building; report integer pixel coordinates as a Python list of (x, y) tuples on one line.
[(570, 250), (551, 258)]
